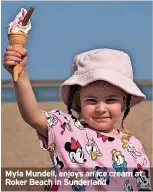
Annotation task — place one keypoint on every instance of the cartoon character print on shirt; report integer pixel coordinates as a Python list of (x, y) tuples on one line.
[(57, 111), (101, 174), (92, 149), (127, 135), (51, 120), (144, 162), (128, 186), (51, 187), (54, 157), (78, 124), (79, 185), (130, 147), (142, 178), (76, 153), (119, 163), (143, 151), (65, 125), (105, 138)]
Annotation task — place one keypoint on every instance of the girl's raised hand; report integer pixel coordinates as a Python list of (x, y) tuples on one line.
[(12, 57)]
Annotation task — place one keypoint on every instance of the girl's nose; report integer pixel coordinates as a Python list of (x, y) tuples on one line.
[(101, 107)]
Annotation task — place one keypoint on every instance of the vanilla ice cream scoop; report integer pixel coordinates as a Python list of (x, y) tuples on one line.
[(18, 34), (16, 26)]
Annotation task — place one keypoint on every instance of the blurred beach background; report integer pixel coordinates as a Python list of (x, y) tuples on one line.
[(60, 30)]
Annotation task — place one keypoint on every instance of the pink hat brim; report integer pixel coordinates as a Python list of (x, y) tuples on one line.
[(111, 76)]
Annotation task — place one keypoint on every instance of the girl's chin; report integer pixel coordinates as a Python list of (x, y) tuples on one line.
[(104, 129), (101, 126)]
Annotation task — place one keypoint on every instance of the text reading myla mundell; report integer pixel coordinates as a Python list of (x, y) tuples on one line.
[(18, 178)]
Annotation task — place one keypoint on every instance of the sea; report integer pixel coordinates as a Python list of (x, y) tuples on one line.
[(52, 93)]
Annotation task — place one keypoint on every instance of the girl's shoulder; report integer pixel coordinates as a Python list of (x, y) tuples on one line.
[(135, 140), (132, 141), (57, 112), (57, 115), (130, 138)]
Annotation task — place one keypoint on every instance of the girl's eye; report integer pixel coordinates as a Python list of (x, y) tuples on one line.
[(91, 100), (111, 100)]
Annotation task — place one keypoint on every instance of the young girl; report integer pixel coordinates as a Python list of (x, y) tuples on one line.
[(85, 142)]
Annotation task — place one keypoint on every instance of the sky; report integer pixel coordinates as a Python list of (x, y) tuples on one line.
[(60, 30)]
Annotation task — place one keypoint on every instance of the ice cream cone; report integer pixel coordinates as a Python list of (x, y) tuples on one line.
[(17, 40)]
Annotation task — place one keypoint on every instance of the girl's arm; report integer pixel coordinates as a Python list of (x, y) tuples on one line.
[(28, 105), (26, 100)]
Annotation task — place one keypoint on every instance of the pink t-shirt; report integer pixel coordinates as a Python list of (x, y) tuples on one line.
[(85, 159)]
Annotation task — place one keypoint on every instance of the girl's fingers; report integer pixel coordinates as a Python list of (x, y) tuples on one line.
[(14, 49), (12, 58), (11, 48), (10, 64), (12, 53), (23, 52)]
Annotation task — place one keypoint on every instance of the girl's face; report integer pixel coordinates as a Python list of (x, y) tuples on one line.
[(101, 105)]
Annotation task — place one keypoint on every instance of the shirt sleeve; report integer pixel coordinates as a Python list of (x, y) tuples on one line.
[(143, 166), (55, 119), (146, 166)]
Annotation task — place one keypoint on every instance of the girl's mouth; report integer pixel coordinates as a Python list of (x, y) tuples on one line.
[(100, 119)]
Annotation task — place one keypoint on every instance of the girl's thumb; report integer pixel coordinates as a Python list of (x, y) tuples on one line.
[(23, 52)]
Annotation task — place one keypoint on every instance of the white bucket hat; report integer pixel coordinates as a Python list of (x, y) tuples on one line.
[(112, 66)]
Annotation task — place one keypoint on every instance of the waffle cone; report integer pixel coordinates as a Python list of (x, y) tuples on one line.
[(17, 40)]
